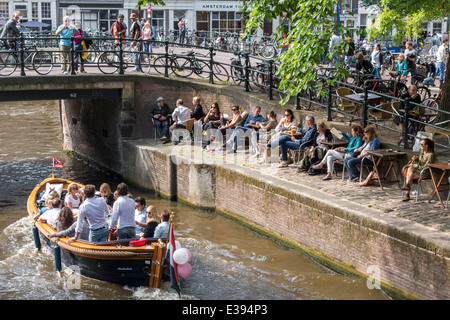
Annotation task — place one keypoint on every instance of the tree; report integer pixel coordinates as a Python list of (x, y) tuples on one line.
[(312, 23)]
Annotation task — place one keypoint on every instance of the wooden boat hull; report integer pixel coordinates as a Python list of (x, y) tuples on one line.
[(114, 261)]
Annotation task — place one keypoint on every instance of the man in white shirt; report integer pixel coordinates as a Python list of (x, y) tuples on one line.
[(96, 211), (179, 117), (123, 214), (440, 61), (410, 55), (51, 215), (140, 215), (334, 43)]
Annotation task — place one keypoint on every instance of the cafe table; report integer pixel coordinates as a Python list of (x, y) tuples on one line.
[(386, 155), (444, 167)]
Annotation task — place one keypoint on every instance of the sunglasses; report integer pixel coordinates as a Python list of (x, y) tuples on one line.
[(233, 109)]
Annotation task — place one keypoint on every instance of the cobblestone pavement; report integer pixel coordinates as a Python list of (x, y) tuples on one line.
[(387, 201)]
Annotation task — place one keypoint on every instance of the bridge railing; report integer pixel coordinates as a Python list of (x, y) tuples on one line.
[(253, 73)]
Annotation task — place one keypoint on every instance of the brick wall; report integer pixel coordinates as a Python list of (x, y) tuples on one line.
[(351, 236)]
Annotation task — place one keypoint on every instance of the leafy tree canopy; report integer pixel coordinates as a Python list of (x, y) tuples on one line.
[(312, 23), (405, 17)]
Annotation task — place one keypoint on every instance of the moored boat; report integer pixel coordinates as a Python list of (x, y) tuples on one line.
[(128, 262)]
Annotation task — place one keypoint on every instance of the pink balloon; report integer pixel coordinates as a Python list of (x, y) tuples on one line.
[(184, 270)]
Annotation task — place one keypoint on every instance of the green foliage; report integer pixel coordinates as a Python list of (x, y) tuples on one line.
[(145, 3), (405, 16), (312, 24)]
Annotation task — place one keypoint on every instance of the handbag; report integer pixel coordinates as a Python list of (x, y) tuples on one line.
[(406, 167), (355, 154)]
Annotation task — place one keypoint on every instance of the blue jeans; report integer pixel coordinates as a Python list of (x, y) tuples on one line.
[(440, 70), (126, 233), (100, 235), (350, 163), (162, 127), (286, 143), (236, 132)]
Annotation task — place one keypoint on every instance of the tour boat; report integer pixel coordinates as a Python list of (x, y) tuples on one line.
[(133, 263)]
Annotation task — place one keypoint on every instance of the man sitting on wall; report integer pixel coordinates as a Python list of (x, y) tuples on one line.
[(160, 116), (250, 124), (179, 116)]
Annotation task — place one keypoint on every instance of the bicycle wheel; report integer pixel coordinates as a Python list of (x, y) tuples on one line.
[(268, 51), (92, 54), (220, 73), (42, 62), (431, 103), (201, 69), (160, 63), (8, 63), (181, 67), (108, 62), (424, 92), (237, 74), (145, 62)]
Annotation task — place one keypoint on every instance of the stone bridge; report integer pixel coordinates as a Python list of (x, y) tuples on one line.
[(99, 111)]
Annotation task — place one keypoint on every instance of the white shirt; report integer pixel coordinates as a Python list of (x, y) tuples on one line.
[(123, 213), (141, 217), (51, 215), (181, 114), (75, 203), (95, 210), (282, 126), (440, 55)]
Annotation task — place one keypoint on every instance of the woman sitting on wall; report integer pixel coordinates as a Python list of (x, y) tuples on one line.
[(285, 124), (341, 153), (371, 142), (416, 165), (317, 150)]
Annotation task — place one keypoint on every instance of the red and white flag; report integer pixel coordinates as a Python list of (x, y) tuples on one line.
[(57, 163), (173, 265)]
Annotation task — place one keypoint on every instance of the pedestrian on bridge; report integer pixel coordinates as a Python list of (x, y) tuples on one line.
[(66, 31)]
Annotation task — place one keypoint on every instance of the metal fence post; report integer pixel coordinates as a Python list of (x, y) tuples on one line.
[(120, 59), (404, 143), (166, 55), (330, 88), (364, 108), (297, 101), (72, 56), (247, 72), (270, 80), (211, 64), (22, 56)]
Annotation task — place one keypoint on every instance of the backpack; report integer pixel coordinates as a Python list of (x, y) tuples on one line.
[(87, 40)]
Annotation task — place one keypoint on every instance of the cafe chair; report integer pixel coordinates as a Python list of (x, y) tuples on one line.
[(418, 182), (345, 105), (380, 113)]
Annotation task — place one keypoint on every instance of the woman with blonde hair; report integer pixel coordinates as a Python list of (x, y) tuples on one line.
[(73, 198), (152, 222), (371, 143)]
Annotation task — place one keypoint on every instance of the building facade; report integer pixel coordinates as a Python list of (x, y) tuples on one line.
[(201, 15)]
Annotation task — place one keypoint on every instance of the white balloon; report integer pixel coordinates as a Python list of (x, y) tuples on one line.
[(181, 256)]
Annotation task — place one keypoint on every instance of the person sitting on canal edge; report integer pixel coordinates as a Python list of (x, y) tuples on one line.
[(160, 117), (416, 165), (123, 214), (287, 142), (96, 211), (162, 230), (179, 116)]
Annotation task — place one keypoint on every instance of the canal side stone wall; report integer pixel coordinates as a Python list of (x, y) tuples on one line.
[(409, 258)]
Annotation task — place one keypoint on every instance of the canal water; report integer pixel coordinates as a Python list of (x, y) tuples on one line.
[(229, 261)]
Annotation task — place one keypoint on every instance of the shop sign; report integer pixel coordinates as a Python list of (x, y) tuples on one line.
[(217, 6)]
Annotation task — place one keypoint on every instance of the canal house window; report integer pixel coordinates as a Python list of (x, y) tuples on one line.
[(437, 27), (226, 21), (89, 20), (4, 10), (202, 21), (107, 18), (158, 20), (35, 10), (22, 10), (45, 10)]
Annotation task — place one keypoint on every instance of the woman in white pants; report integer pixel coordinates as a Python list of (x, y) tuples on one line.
[(340, 153)]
